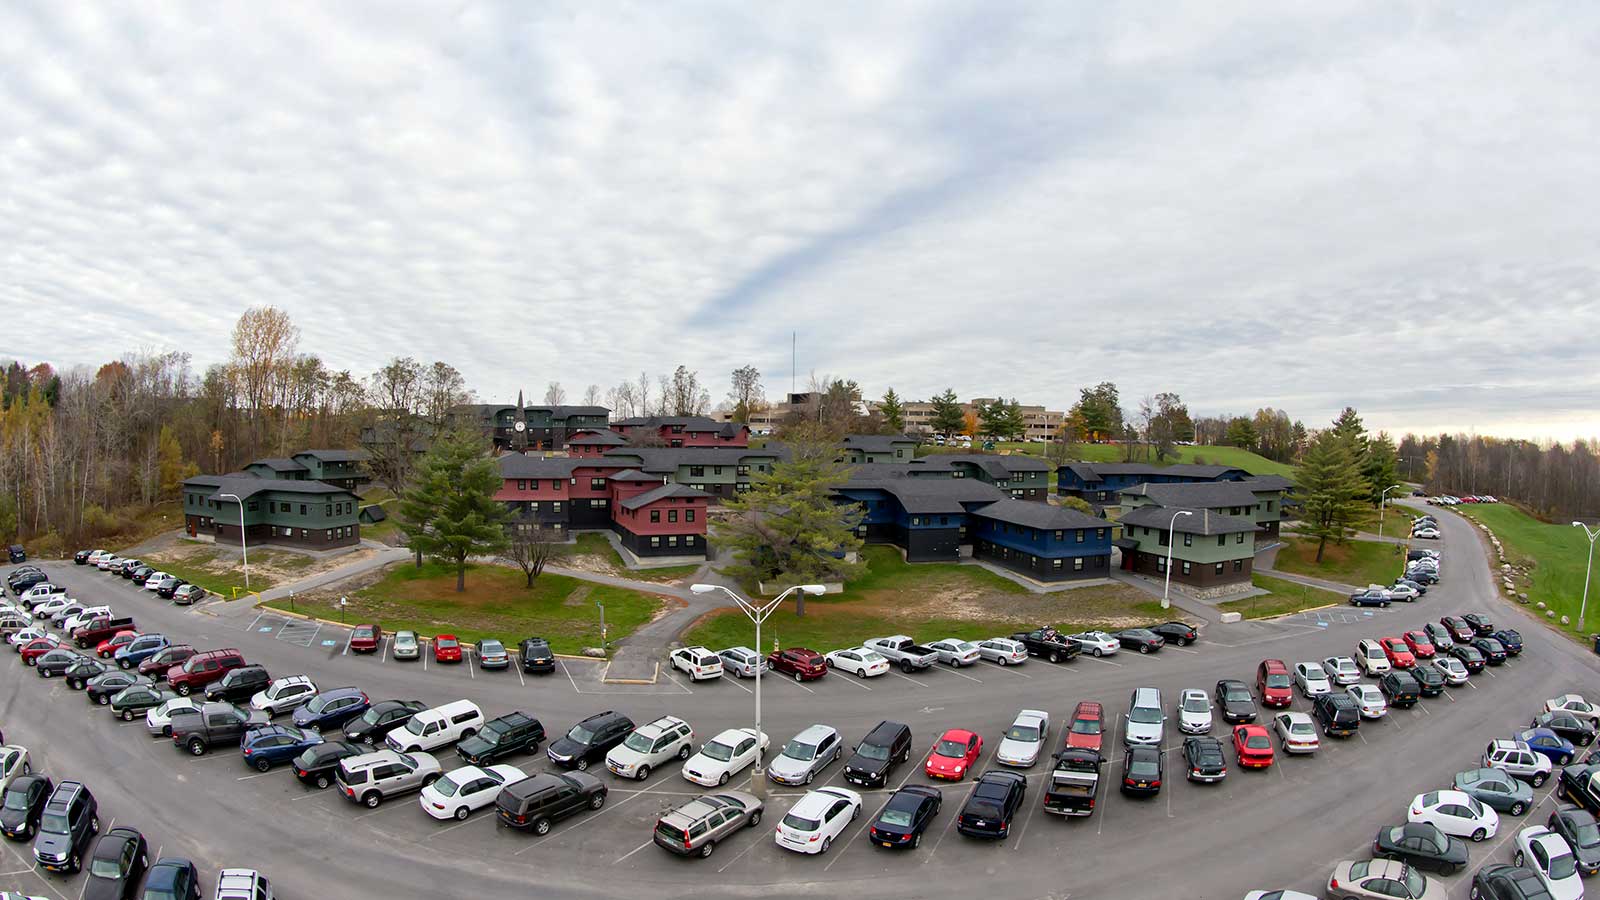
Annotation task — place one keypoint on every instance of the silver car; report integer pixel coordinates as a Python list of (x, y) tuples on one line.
[(1341, 670), (1003, 651), (406, 645), (1194, 712), (955, 652), (694, 828), (1098, 643), (806, 755), (492, 654), (1145, 718), (742, 661)]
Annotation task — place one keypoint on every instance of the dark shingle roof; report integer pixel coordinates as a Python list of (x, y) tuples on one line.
[(875, 443), (336, 455), (1268, 483), (279, 464), (1197, 495), (668, 459), (997, 466), (245, 485), (661, 493), (1039, 515), (1097, 471), (562, 412), (1199, 521), (529, 465), (603, 436), (634, 475), (926, 495), (688, 423)]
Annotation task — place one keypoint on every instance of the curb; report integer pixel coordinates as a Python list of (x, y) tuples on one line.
[(510, 651), (605, 679)]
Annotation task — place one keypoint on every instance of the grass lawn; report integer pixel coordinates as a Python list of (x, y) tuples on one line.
[(598, 555), (1396, 523), (226, 583), (1558, 555), (1253, 463), (495, 604), (1284, 597), (929, 601), (1358, 563)]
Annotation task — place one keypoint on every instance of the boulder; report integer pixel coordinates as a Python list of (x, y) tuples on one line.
[(595, 652), (1541, 604), (1566, 621), (1550, 614), (1523, 597)]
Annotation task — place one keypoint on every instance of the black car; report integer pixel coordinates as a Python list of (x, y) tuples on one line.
[(71, 817), (1471, 657), (172, 878), (17, 554), (141, 574), (515, 732), (1511, 639), (1503, 882), (20, 581), (885, 746), (1422, 576), (590, 740), (372, 726), (117, 865), (1400, 688), (1177, 633), (1480, 623), (137, 699), (905, 817), (532, 804), (239, 685), (1204, 759), (1566, 725), (23, 804), (81, 557), (1582, 833), (1236, 702), (1412, 583), (994, 801), (1338, 713), (169, 586), (80, 673), (1429, 681), (317, 765), (1421, 844), (1142, 770), (536, 655), (102, 688), (56, 662), (1494, 652), (1141, 639)]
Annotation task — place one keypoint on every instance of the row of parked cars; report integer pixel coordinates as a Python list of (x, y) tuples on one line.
[(149, 577), (1452, 500)]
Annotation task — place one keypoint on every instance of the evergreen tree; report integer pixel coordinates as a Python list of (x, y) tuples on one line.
[(1002, 419), (1381, 467), (1333, 491), (947, 419), (1100, 410), (893, 412), (1242, 433), (451, 514)]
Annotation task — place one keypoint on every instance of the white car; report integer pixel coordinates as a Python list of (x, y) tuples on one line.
[(106, 562), (457, 793), (94, 557), (1403, 592), (1025, 739), (724, 756), (1097, 643), (82, 617), (1550, 857), (1194, 712), (1454, 813), (284, 694), (158, 721), (155, 579), (1003, 651), (742, 661), (13, 762), (23, 636), (858, 661), (955, 652), (1574, 704), (1369, 653), (1312, 679), (1296, 732), (1452, 669), (698, 663), (1426, 533), (49, 608), (1342, 670), (1369, 699), (1278, 895), (822, 815), (649, 746)]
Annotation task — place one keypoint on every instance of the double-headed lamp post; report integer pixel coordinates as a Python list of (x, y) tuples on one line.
[(1172, 537), (1593, 533), (242, 548), (758, 614), (1383, 498)]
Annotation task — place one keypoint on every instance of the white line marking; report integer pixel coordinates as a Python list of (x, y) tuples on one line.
[(384, 656), (912, 680), (634, 850), (520, 679)]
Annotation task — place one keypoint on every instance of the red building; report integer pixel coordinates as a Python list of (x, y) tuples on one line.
[(685, 431), (574, 493)]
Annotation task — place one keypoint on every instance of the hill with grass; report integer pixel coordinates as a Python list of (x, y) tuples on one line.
[(1253, 463)]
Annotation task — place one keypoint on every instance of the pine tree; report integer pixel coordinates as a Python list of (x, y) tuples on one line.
[(1333, 491), (1381, 467), (947, 419), (1242, 433), (451, 514), (893, 411)]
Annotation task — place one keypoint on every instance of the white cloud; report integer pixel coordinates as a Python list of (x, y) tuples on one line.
[(1248, 204)]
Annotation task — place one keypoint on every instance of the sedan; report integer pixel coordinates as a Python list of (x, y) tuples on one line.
[(1573, 704), (1097, 643), (458, 793), (742, 661), (1403, 591), (1381, 879), (1494, 652), (1369, 699), (1439, 636), (1342, 670), (724, 756), (406, 645), (954, 755), (446, 649), (492, 654), (116, 865), (1497, 788), (381, 718), (1419, 645), (1296, 732), (1547, 742), (1141, 639), (365, 639), (1451, 668), (955, 652), (158, 721), (859, 661), (137, 699), (1547, 854), (1480, 623), (902, 821), (1582, 833), (1236, 701), (1006, 652), (1194, 712), (1458, 627), (1312, 679), (1398, 652), (1422, 845), (1204, 759), (82, 671), (102, 688), (1469, 657), (818, 818), (1180, 633), (1024, 740), (13, 762), (1578, 731), (1142, 770), (1252, 746), (1454, 813)]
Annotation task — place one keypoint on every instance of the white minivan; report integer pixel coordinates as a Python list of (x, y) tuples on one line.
[(437, 727)]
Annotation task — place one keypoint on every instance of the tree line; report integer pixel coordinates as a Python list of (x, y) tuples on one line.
[(1555, 481)]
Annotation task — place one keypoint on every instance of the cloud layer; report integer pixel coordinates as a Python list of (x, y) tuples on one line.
[(1377, 205)]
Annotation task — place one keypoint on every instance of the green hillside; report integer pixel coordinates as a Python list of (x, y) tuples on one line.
[(1219, 456), (1558, 554)]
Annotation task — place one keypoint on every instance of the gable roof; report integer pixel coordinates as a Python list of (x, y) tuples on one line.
[(951, 496), (278, 464), (995, 465), (875, 443), (532, 465), (246, 485), (687, 423), (1039, 515), (634, 475), (1197, 495), (1097, 471), (599, 436), (1269, 483), (336, 455), (661, 493), (668, 459), (1199, 521)]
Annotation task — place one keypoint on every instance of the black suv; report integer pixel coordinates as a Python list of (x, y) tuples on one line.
[(70, 818), (1401, 688), (536, 655), (372, 726), (1503, 882), (511, 733), (1338, 713), (1429, 682), (239, 685), (590, 740), (879, 752), (23, 805), (532, 804), (994, 801)]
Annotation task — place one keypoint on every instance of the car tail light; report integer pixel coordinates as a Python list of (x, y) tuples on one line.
[(1333, 884), (813, 839), (247, 751), (438, 806), (1127, 781), (1156, 783)]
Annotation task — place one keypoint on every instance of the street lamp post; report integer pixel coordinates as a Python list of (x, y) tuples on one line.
[(243, 548), (1383, 499), (1172, 538), (1593, 534), (602, 625), (759, 614)]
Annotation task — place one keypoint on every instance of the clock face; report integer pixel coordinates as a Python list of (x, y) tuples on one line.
[(521, 426)]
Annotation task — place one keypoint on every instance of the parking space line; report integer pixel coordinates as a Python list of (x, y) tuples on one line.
[(797, 684), (634, 850), (384, 655), (347, 639), (520, 679), (949, 823), (252, 625), (851, 842), (729, 864), (1010, 669), (729, 676), (1106, 661), (1182, 649), (955, 672), (674, 680), (313, 639), (466, 653), (912, 680), (851, 680), (586, 820), (570, 679)]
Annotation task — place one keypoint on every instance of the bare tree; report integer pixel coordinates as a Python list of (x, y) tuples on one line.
[(623, 401), (746, 394), (443, 390), (591, 395), (685, 395), (264, 341), (555, 394), (642, 396), (531, 547)]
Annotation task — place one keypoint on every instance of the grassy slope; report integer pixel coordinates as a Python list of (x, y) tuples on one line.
[(1358, 563), (1559, 554), (1221, 456), (495, 604), (595, 545), (1284, 597)]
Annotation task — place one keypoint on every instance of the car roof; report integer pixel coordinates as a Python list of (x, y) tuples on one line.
[(657, 727), (1295, 717), (816, 802), (956, 734), (1146, 696), (813, 734), (732, 735), (1193, 692)]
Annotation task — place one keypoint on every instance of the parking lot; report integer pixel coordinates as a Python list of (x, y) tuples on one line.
[(1282, 827)]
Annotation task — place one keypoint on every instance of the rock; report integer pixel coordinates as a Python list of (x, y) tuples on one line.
[(595, 652), (1550, 614), (1541, 604), (1566, 621), (1522, 597), (1505, 568), (1228, 618)]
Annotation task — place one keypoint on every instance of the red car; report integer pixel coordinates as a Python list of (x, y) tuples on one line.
[(1272, 683), (365, 638), (446, 648), (32, 650), (1252, 745), (954, 755), (1421, 647), (1459, 629), (803, 664), (111, 644), (1399, 654), (1088, 727)]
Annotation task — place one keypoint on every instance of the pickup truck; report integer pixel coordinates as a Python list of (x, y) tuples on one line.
[(1073, 783), (1581, 785), (904, 652), (99, 628), (1049, 643), (198, 730)]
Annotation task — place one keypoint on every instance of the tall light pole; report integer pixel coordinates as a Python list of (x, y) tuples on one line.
[(1383, 498), (242, 546), (1172, 537), (758, 614), (1592, 533)]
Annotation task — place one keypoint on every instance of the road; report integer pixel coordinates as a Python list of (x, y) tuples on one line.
[(1281, 828)]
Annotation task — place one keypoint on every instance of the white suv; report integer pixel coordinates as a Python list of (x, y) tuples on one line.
[(1518, 759), (650, 745), (243, 884), (284, 694), (697, 662), (1370, 656)]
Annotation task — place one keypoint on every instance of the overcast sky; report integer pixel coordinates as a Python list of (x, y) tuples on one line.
[(1306, 205)]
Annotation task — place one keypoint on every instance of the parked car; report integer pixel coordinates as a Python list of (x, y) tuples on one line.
[(284, 694), (1510, 639), (22, 804), (1421, 844), (1481, 625), (1342, 670), (1582, 833), (211, 724), (456, 794), (1180, 633), (1338, 713), (742, 661), (1400, 688), (1204, 759), (103, 687), (817, 819), (1086, 731), (1398, 653), (955, 652), (1378, 879), (1024, 740), (1142, 770), (188, 594), (1418, 643), (70, 818), (905, 817), (239, 685), (1194, 712), (954, 754), (537, 657), (1498, 880), (243, 884), (164, 660), (371, 778), (1575, 705), (365, 638), (406, 645), (373, 725), (1451, 669), (698, 663), (1403, 590), (1235, 701), (502, 736), (1470, 657), (1273, 685), (992, 805), (696, 827), (1145, 718), (1578, 731), (1459, 628), (1496, 788), (203, 669), (269, 745), (724, 756), (1547, 854), (1370, 655), (1519, 759), (1312, 679), (446, 649), (1494, 652), (1097, 643), (1141, 639), (140, 649), (1369, 597), (588, 742), (1251, 746), (858, 661), (803, 757), (318, 765), (137, 699), (1296, 732), (887, 745), (900, 650), (1455, 814), (798, 662), (535, 803), (332, 708), (158, 721)]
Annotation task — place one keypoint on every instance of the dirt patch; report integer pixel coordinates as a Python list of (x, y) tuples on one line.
[(578, 597), (271, 565)]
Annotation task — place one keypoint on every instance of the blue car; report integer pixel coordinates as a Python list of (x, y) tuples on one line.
[(269, 745), (1547, 742), (1509, 638), (332, 708), (140, 649)]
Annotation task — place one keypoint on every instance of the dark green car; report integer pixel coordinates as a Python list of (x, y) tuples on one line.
[(136, 699), (1496, 789)]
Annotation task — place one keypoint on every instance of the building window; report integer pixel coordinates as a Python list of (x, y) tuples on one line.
[(655, 515), (328, 534), (254, 506), (1222, 540), (944, 520), (1080, 535), (655, 540), (556, 507), (716, 470), (522, 484), (1055, 563), (899, 453), (916, 520), (302, 509), (688, 540), (1077, 564), (958, 474), (742, 487), (327, 509), (1161, 565), (1188, 540), (555, 526), (597, 484), (1241, 538), (1269, 506), (598, 503), (688, 515), (1238, 565), (1186, 567), (741, 470), (672, 540), (1219, 568), (697, 471), (672, 515), (304, 534), (1164, 538), (677, 442)]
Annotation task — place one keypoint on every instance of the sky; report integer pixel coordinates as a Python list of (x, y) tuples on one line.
[(1304, 206)]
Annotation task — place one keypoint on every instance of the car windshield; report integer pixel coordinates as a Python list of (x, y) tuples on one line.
[(1085, 726), (105, 868), (867, 656), (950, 748), (1144, 715), (1025, 733), (318, 702), (446, 787), (800, 824), (1195, 704), (16, 800), (716, 751), (1257, 742), (405, 639), (53, 823), (897, 817), (800, 750), (1235, 692), (1277, 681), (638, 743), (371, 716), (1301, 728), (1562, 866), (872, 751), (578, 734)]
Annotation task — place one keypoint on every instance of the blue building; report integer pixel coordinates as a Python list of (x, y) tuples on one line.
[(1099, 484)]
